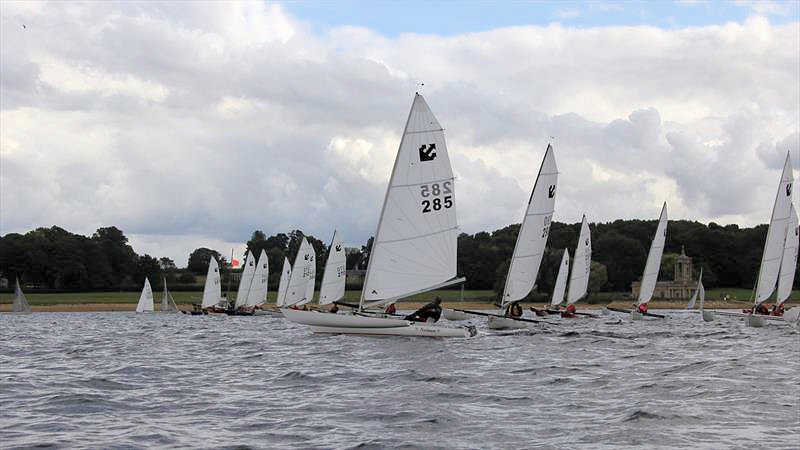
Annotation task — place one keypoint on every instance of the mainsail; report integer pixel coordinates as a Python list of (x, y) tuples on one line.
[(333, 279), (581, 265), (533, 233), (415, 244), (303, 273), (789, 259), (700, 291), (145, 298), (245, 280), (283, 285), (20, 304), (212, 291), (776, 235), (653, 264), (257, 294), (167, 302), (561, 280)]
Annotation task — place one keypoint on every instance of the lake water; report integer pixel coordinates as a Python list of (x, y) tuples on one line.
[(106, 380)]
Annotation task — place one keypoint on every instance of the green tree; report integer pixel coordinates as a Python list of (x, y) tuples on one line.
[(199, 258)]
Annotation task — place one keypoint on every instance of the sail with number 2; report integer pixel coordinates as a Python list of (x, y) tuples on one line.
[(415, 244)]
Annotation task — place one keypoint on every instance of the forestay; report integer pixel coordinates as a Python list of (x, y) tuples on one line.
[(303, 273), (167, 302), (257, 295), (776, 235), (333, 279), (20, 304), (789, 259), (212, 291), (581, 265), (145, 298), (283, 285), (246, 279), (533, 233), (415, 243), (561, 280), (653, 264)]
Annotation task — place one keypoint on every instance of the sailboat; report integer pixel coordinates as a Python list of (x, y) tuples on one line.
[(414, 250), (700, 292), (212, 290), (531, 240), (300, 289), (245, 281), (333, 278), (145, 298), (581, 265), (651, 268), (167, 302), (283, 285), (560, 288), (775, 248), (20, 305)]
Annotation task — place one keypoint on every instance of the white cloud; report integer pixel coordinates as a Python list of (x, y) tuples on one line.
[(190, 126)]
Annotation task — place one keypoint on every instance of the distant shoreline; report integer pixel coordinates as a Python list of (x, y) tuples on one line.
[(410, 305)]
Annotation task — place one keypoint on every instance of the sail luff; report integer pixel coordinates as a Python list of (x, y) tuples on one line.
[(581, 265), (333, 279), (212, 290), (789, 259), (776, 234), (533, 233), (20, 304), (653, 264), (561, 280)]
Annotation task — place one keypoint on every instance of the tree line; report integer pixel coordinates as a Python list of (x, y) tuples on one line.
[(56, 259)]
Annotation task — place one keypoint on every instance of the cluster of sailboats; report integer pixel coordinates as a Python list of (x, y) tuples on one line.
[(415, 247)]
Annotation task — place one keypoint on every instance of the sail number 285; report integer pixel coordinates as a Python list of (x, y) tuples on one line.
[(436, 196)]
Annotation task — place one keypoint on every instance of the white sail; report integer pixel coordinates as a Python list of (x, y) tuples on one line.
[(415, 244), (653, 264), (212, 291), (581, 265), (697, 292), (533, 233), (776, 234), (20, 304), (303, 272), (789, 259), (257, 295), (333, 279), (145, 298), (283, 285), (246, 279), (167, 302), (561, 280)]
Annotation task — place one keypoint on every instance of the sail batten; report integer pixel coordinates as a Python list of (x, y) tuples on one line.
[(653, 264), (533, 233), (769, 270), (415, 242)]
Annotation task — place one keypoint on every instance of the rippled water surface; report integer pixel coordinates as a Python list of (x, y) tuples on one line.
[(127, 380)]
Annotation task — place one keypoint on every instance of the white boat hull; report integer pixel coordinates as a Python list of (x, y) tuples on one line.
[(792, 315), (451, 314), (504, 323), (346, 323)]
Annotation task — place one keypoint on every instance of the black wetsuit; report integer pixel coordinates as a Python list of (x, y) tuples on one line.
[(431, 310)]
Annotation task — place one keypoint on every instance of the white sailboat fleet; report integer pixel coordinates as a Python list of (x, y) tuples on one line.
[(253, 285), (414, 249)]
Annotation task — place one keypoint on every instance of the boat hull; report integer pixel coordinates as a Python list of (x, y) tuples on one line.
[(451, 314), (504, 323), (708, 316), (328, 323), (754, 321)]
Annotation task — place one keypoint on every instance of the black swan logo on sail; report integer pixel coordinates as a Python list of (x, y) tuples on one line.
[(338, 247), (789, 190), (551, 191), (427, 152)]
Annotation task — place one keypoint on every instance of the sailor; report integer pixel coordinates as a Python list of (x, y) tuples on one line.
[(569, 312), (432, 310), (391, 309), (514, 310), (643, 308), (777, 310), (762, 309), (333, 309)]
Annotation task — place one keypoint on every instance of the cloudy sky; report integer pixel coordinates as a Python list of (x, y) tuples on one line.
[(191, 125)]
